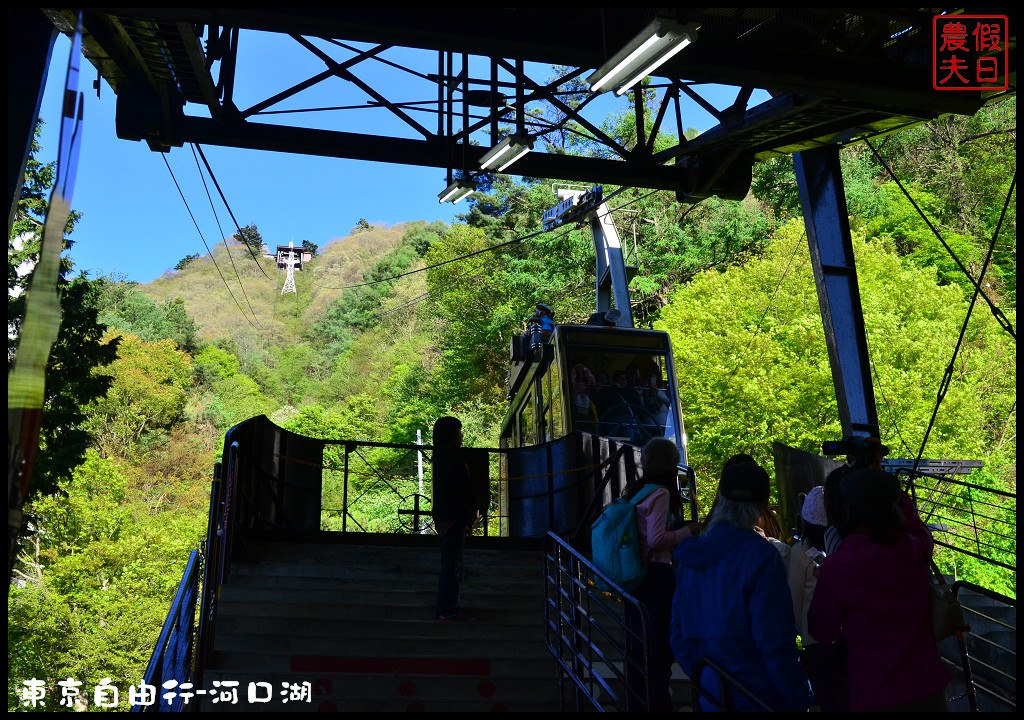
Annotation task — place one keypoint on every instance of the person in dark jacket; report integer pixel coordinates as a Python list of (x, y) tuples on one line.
[(454, 509), (732, 603)]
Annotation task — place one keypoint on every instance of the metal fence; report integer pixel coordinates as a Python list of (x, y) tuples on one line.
[(966, 517), (172, 661), (983, 659), (598, 638)]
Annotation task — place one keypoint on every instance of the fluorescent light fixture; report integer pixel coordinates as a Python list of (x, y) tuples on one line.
[(456, 191), (506, 152), (642, 55)]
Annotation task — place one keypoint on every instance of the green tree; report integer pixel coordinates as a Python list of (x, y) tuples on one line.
[(250, 237), (125, 307), (147, 395), (753, 366), (97, 580), (310, 247), (186, 261)]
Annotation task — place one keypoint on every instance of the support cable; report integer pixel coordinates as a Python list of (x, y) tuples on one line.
[(513, 241), (466, 275), (947, 377), (221, 231), (223, 279), (225, 201), (996, 312), (888, 405)]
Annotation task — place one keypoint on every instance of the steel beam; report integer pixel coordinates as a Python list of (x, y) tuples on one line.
[(433, 152), (820, 181)]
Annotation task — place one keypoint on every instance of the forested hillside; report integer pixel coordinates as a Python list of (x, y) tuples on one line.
[(369, 348)]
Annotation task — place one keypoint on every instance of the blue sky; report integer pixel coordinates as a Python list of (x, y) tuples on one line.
[(135, 224)]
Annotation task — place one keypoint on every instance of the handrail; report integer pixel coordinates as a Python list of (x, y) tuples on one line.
[(599, 639), (975, 637), (974, 520), (174, 651), (724, 703), (978, 589)]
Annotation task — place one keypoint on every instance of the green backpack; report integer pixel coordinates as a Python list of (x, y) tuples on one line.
[(615, 542)]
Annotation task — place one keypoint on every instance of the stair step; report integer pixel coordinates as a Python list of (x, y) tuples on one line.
[(330, 608), (348, 629), (239, 662), (404, 646), (407, 597)]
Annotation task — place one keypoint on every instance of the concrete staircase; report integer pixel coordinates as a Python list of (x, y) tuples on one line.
[(356, 621)]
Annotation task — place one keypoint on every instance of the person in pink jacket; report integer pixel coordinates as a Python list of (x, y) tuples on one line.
[(873, 592), (659, 523)]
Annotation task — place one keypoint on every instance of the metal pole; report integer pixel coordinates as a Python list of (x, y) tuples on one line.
[(820, 182), (419, 472), (344, 502)]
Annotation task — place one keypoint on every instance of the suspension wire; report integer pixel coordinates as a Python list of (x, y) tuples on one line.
[(492, 248), (996, 312), (892, 413), (223, 279), (225, 201), (947, 377), (221, 230), (428, 294), (771, 302), (464, 276)]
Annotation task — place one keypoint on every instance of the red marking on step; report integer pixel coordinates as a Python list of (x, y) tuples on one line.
[(485, 688), (415, 707), (407, 688), (386, 666)]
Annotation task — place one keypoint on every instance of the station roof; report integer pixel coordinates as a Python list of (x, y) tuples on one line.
[(819, 75)]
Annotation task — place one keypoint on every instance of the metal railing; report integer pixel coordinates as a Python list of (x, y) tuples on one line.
[(174, 654), (967, 518), (723, 702), (984, 657), (598, 638)]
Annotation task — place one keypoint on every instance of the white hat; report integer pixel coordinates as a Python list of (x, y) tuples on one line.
[(813, 510)]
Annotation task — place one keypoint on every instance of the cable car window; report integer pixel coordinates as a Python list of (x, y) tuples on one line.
[(557, 429), (527, 427), (622, 393), (544, 432)]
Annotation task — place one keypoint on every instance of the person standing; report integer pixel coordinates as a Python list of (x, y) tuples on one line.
[(873, 593), (732, 603), (825, 664), (660, 528), (454, 509)]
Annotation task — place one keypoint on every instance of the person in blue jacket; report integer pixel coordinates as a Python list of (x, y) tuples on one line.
[(732, 603)]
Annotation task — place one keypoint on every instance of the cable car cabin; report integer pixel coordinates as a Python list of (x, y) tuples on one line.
[(576, 399)]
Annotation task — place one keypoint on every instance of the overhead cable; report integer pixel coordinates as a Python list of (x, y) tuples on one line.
[(492, 248), (221, 230), (223, 279), (999, 316), (947, 377), (225, 201)]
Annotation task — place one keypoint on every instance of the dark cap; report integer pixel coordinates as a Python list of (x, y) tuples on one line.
[(875, 446), (745, 482), (868, 489), (545, 308)]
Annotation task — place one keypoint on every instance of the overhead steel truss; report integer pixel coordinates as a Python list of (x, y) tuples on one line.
[(826, 76)]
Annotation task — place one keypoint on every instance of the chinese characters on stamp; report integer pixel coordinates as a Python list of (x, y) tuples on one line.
[(969, 52)]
